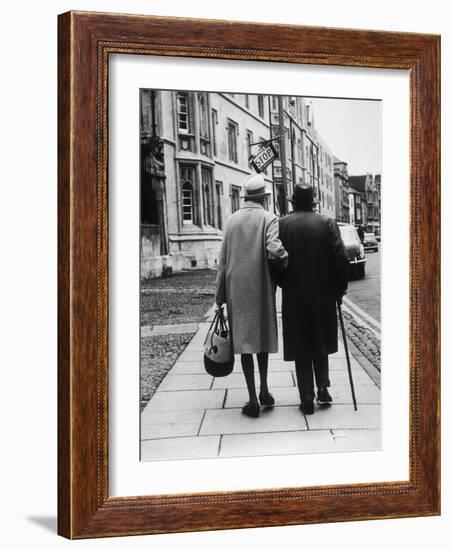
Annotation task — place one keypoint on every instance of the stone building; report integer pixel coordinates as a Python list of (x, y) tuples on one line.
[(306, 157), (326, 194), (377, 184), (357, 208), (195, 149), (341, 189), (370, 189)]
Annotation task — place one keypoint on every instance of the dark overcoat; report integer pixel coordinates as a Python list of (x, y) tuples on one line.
[(317, 275)]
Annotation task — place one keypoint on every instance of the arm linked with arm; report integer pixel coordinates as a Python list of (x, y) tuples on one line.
[(276, 253)]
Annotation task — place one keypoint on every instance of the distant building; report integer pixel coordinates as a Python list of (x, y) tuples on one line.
[(341, 189), (309, 161), (370, 189), (377, 183), (326, 180), (357, 208)]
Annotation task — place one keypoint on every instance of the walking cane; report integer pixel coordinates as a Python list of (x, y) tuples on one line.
[(352, 387)]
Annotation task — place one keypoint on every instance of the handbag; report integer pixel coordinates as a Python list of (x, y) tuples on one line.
[(218, 352)]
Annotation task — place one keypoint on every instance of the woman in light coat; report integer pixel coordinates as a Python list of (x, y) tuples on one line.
[(245, 284)]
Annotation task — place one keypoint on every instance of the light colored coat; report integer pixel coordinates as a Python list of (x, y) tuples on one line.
[(244, 282)]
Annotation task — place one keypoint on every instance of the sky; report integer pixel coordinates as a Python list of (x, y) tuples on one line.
[(352, 129)]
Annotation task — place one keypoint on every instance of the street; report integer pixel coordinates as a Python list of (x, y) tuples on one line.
[(366, 293)]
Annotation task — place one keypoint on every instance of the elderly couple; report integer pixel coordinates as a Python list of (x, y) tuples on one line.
[(304, 252)]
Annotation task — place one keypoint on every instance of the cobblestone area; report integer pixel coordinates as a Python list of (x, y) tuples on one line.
[(183, 298), (158, 355), (364, 339)]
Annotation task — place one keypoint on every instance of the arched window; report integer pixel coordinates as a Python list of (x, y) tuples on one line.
[(209, 213), (187, 203)]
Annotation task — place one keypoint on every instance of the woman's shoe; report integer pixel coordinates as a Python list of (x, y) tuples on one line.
[(252, 410), (267, 399)]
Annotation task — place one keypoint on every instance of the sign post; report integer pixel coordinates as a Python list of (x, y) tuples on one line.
[(265, 156)]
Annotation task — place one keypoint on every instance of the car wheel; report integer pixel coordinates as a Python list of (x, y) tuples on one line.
[(361, 271)]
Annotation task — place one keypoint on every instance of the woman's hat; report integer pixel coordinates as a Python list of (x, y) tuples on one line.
[(303, 195), (254, 187)]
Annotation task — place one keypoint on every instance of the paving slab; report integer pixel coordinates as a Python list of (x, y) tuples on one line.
[(158, 424), (237, 397), (358, 440), (340, 354), (177, 328), (188, 367), (237, 380), (340, 378), (365, 394), (185, 382), (232, 421), (189, 355), (278, 365), (344, 417), (185, 400), (180, 448), (339, 363), (277, 443)]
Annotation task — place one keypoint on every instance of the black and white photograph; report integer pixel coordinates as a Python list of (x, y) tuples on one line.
[(260, 296)]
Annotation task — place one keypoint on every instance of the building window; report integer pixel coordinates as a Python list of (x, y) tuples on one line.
[(187, 203), (187, 176), (203, 119), (249, 141), (219, 201), (204, 125), (183, 115), (260, 105), (206, 177), (274, 103), (214, 130), (232, 140), (247, 101), (235, 198)]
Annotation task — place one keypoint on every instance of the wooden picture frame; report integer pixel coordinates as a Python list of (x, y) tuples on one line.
[(86, 40)]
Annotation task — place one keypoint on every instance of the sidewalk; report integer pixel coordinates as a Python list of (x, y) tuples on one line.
[(193, 415)]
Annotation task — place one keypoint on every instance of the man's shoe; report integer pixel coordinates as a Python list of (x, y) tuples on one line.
[(266, 399), (323, 396), (307, 407)]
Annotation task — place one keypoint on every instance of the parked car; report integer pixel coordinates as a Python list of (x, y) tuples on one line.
[(370, 242), (355, 249)]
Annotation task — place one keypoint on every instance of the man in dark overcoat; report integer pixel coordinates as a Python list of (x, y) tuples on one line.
[(315, 280)]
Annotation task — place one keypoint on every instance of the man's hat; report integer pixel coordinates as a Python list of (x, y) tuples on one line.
[(254, 187), (303, 196)]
